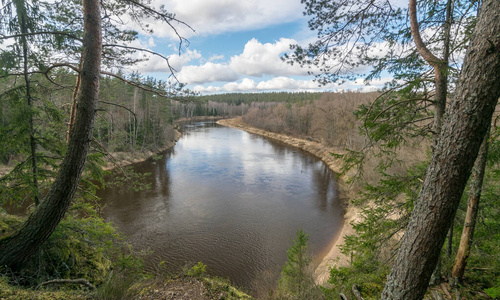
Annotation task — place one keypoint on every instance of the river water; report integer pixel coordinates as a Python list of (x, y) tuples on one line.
[(230, 199)]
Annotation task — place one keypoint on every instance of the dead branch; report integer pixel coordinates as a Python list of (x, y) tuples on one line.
[(81, 281), (356, 292)]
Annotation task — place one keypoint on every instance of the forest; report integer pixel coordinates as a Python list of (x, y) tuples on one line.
[(420, 155)]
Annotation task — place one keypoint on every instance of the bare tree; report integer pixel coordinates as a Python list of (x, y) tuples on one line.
[(472, 209)]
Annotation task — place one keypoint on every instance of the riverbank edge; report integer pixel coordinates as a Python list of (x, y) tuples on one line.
[(333, 257), (127, 158)]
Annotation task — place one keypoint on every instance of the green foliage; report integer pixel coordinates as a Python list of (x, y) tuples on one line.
[(219, 288), (296, 280), (80, 247), (385, 212), (368, 274), (12, 292), (197, 270), (493, 292), (384, 216), (15, 149), (483, 265), (116, 286)]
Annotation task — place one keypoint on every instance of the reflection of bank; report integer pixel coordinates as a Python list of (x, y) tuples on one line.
[(331, 255), (233, 202)]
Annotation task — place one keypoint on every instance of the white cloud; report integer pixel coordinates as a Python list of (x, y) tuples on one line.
[(256, 60), (260, 59), (290, 84), (207, 72), (177, 62), (219, 16), (151, 42), (216, 57)]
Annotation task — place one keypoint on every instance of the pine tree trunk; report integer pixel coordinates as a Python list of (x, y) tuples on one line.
[(476, 184), (464, 127), (16, 249)]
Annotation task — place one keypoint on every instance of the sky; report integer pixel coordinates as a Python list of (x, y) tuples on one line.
[(235, 46)]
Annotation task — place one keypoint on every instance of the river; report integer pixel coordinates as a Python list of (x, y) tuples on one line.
[(230, 199)]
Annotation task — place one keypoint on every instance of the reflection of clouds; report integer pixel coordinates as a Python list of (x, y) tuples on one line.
[(235, 200)]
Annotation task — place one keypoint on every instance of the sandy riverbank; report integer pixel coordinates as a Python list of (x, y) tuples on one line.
[(333, 257), (122, 159)]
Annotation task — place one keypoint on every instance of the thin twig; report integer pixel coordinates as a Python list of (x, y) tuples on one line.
[(82, 281)]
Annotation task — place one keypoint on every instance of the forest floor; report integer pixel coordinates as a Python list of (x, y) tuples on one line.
[(333, 256)]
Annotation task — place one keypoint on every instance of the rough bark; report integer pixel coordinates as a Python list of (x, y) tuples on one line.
[(16, 249), (476, 184), (74, 102), (464, 127)]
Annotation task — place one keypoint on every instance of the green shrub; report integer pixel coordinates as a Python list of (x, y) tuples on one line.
[(493, 292), (296, 280), (80, 247), (197, 270)]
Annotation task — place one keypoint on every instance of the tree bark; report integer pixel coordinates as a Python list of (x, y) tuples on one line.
[(16, 249), (72, 114), (464, 127), (476, 184), (440, 65)]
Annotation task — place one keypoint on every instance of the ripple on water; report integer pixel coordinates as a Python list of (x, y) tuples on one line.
[(230, 200)]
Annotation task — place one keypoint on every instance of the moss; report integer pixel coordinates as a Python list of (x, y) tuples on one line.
[(9, 224), (219, 288), (10, 292)]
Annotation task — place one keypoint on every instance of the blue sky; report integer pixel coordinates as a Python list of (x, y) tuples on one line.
[(236, 47)]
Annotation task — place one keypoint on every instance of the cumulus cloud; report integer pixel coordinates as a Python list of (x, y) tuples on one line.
[(256, 60), (219, 16), (208, 72), (216, 57), (290, 84), (177, 62), (260, 59)]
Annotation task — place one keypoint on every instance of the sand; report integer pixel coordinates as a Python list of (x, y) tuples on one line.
[(334, 257)]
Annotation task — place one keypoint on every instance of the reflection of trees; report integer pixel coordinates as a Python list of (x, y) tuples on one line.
[(125, 205), (323, 178)]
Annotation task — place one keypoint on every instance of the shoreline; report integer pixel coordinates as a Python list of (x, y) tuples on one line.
[(333, 256), (126, 158), (123, 159)]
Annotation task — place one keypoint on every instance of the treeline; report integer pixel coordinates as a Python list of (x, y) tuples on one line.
[(235, 104), (328, 119), (249, 98), (389, 160), (131, 118), (128, 118)]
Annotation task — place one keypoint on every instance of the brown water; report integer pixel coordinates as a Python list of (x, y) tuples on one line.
[(230, 199)]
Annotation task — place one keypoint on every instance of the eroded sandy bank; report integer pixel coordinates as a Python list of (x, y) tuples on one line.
[(334, 256), (122, 159)]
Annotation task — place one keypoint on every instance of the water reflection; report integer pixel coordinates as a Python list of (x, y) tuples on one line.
[(229, 199)]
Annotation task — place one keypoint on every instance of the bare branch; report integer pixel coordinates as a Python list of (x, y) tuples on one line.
[(172, 70), (124, 107), (82, 281), (417, 38), (166, 18), (4, 37)]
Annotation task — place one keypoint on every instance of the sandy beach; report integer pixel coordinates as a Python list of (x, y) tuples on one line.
[(334, 256)]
